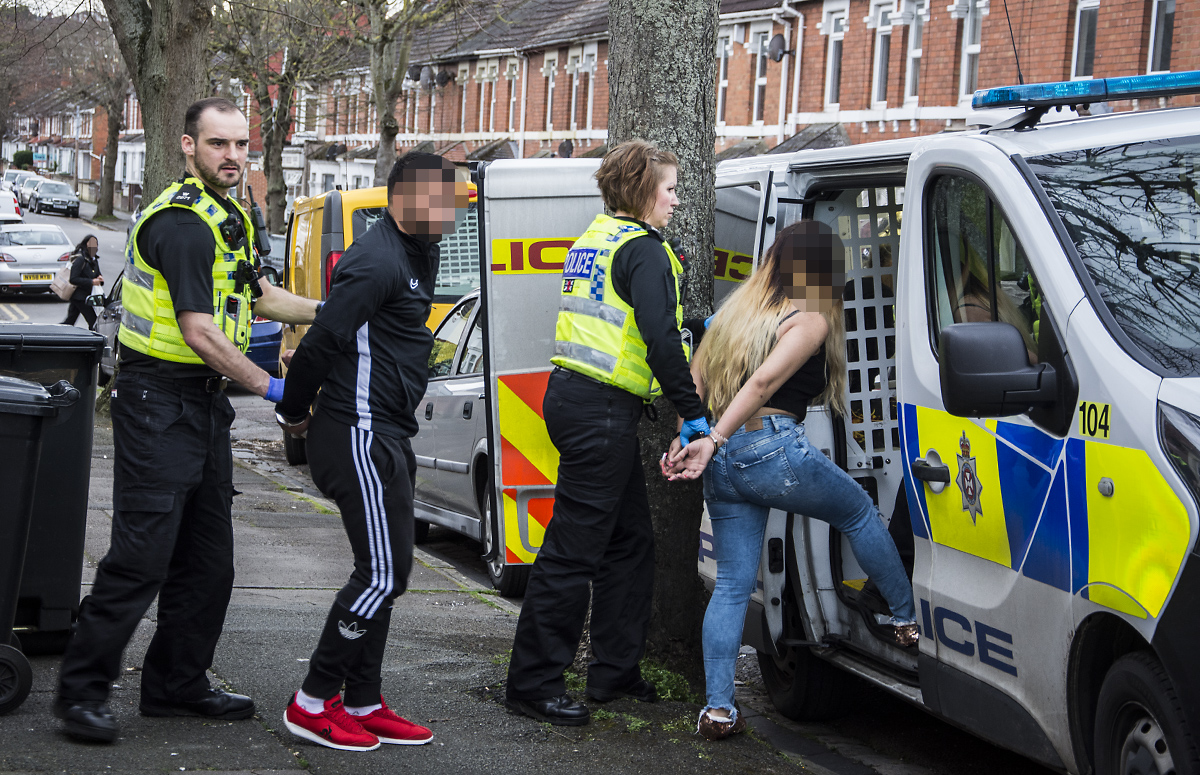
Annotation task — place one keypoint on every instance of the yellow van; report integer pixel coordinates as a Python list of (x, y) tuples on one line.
[(322, 227)]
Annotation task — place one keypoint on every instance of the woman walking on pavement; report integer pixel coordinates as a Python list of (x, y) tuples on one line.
[(617, 331), (784, 329), (85, 275)]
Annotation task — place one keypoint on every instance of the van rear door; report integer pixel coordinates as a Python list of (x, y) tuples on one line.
[(531, 213)]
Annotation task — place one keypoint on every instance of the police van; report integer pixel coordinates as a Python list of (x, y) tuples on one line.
[(1024, 393)]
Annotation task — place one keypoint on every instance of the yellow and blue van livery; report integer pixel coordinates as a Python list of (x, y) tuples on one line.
[(1023, 386)]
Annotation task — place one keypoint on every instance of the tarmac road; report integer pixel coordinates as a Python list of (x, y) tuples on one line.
[(46, 307)]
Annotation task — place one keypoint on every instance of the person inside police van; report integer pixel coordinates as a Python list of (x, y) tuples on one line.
[(784, 328)]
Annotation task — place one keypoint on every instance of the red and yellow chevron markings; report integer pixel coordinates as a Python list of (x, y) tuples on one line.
[(528, 463)]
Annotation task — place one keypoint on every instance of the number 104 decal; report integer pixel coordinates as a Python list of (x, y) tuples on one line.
[(1093, 419)]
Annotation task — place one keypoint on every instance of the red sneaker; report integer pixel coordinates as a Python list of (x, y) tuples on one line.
[(390, 728), (332, 727)]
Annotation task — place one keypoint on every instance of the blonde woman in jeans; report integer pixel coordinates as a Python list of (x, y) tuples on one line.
[(776, 346)]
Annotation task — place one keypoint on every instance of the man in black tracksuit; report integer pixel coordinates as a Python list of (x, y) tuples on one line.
[(368, 353)]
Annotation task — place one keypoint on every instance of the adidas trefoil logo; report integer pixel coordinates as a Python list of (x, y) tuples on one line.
[(351, 632)]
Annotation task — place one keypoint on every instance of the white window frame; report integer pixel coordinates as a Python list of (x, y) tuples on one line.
[(833, 13), (1155, 32), (511, 69), (432, 106), (1080, 7), (591, 53), (760, 39), (550, 71), (724, 49), (972, 14), (573, 66), (879, 65), (464, 78), (912, 70)]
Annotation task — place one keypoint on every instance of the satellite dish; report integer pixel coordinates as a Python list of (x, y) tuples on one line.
[(444, 77), (414, 72), (778, 47), (427, 78)]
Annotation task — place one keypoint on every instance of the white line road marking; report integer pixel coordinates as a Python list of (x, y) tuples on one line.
[(13, 313)]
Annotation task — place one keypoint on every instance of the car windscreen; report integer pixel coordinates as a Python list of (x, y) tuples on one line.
[(1133, 212), (35, 237), (54, 189)]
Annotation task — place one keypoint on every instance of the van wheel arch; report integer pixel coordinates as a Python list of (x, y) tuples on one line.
[(1100, 640), (508, 580)]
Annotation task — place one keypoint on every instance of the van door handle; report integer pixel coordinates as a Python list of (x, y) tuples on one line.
[(930, 473), (429, 416), (467, 410)]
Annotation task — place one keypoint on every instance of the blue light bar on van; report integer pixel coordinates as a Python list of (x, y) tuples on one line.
[(1134, 87)]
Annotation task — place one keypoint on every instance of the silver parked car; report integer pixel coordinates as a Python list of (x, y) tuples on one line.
[(25, 189), (56, 196), (451, 445), (30, 255)]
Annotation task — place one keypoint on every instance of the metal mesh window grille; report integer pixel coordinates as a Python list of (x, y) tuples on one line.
[(868, 221)]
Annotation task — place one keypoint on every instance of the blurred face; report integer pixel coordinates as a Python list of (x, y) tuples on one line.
[(92, 246), (812, 275), (428, 203), (664, 203), (218, 155)]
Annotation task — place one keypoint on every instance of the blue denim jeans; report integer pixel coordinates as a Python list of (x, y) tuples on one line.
[(776, 467)]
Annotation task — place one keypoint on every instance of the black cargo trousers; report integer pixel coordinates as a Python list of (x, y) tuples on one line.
[(371, 477), (600, 533), (172, 536)]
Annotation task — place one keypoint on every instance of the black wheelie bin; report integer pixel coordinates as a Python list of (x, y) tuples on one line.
[(26, 408), (48, 602)]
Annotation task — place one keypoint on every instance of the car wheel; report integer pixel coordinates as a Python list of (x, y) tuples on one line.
[(294, 450), (73, 213), (1140, 727), (509, 580), (420, 531), (37, 207), (801, 685)]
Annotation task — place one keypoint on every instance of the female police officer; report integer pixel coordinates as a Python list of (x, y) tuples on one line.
[(618, 329)]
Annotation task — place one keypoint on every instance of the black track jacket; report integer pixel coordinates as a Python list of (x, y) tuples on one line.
[(368, 349)]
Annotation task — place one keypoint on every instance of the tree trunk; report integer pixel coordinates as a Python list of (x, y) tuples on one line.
[(275, 121), (163, 45), (661, 89), (108, 172), (389, 61)]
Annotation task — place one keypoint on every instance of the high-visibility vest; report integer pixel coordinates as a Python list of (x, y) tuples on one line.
[(148, 323), (596, 334)]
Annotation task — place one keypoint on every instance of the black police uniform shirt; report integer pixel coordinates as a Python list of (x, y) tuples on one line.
[(642, 278), (181, 246), (368, 349)]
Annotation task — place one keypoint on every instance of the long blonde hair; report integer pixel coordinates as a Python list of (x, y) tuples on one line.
[(745, 329)]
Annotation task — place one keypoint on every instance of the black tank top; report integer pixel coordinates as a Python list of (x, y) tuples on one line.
[(809, 381)]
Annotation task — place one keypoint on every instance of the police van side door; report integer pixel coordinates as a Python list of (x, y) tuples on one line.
[(988, 494)]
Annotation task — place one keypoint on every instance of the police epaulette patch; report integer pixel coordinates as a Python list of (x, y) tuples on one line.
[(187, 195)]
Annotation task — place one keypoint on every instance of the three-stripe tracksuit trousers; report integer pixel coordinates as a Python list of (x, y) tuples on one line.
[(371, 477)]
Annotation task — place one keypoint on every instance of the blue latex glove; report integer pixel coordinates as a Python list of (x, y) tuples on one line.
[(275, 391), (708, 320), (697, 427)]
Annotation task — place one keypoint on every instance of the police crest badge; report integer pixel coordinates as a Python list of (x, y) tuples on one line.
[(968, 479)]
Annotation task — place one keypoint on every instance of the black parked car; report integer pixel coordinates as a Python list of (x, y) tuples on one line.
[(54, 195)]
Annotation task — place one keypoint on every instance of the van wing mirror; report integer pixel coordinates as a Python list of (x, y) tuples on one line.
[(985, 372)]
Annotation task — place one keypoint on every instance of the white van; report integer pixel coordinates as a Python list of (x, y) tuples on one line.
[(1037, 458)]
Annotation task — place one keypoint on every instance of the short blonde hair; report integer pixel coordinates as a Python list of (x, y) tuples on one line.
[(630, 174)]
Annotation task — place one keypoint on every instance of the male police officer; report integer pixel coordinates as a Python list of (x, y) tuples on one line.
[(188, 292)]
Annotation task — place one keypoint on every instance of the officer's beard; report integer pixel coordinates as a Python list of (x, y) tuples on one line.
[(211, 176)]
